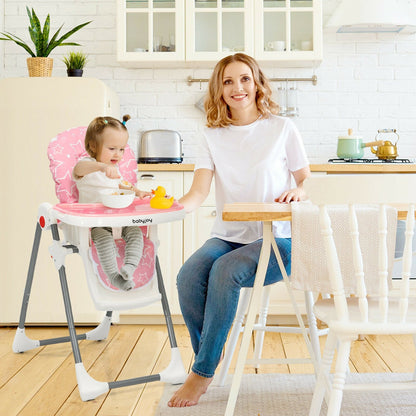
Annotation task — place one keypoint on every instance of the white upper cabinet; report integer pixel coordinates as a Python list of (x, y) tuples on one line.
[(286, 31), (150, 30), (216, 28)]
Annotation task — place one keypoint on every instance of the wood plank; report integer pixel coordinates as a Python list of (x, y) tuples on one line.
[(168, 167), (250, 211), (364, 167), (152, 392), (20, 389), (63, 383), (141, 362), (295, 347), (273, 348), (106, 368), (11, 363), (365, 359), (398, 357)]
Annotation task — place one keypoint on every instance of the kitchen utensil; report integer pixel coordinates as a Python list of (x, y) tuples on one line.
[(160, 146), (352, 147), (386, 150)]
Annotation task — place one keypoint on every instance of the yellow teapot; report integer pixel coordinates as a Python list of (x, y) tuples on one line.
[(387, 150)]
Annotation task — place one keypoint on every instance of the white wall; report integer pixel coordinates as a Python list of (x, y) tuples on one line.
[(365, 82)]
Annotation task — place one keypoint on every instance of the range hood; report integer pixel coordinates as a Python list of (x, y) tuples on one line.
[(370, 16)]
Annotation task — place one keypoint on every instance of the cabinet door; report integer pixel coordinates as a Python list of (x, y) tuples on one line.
[(216, 28), (150, 30), (170, 237), (198, 224), (288, 30)]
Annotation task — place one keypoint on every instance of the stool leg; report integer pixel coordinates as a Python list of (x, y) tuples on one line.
[(232, 341), (258, 346)]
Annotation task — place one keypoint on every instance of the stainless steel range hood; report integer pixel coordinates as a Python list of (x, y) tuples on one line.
[(369, 16)]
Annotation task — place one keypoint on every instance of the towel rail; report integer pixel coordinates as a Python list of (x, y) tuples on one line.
[(313, 79)]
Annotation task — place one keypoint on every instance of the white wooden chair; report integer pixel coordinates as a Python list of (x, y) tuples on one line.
[(311, 332), (372, 310)]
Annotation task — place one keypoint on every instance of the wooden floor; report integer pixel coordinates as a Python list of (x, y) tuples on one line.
[(42, 382)]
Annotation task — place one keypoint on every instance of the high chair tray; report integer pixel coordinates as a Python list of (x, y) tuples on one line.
[(97, 215)]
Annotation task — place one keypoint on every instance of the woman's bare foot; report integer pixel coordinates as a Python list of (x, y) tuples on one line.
[(190, 392)]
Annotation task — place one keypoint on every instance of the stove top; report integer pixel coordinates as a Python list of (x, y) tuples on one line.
[(369, 161)]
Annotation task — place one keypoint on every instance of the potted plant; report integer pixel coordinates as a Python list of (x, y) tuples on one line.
[(39, 64), (75, 62)]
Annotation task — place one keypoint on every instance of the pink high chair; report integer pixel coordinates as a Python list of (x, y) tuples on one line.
[(75, 221)]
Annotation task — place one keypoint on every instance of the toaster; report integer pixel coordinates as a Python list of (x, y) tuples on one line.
[(160, 146)]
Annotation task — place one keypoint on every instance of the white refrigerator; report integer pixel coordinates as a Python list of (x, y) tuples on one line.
[(32, 112)]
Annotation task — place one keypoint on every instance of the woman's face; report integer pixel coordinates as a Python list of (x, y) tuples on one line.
[(239, 88)]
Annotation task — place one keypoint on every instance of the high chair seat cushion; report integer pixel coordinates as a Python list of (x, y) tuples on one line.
[(66, 149), (143, 273)]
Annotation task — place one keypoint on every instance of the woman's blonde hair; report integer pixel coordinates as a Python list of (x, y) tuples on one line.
[(93, 142), (217, 111)]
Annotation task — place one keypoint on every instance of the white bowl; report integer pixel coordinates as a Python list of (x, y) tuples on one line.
[(121, 198)]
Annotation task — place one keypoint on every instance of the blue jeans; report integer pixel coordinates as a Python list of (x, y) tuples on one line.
[(209, 286)]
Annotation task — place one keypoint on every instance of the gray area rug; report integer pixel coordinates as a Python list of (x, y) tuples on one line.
[(291, 395)]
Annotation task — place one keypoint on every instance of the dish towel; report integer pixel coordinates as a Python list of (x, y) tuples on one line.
[(309, 267)]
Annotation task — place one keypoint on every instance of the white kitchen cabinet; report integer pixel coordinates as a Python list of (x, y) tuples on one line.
[(170, 236), (150, 30), (285, 31)]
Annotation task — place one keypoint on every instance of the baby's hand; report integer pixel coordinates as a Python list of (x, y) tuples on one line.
[(142, 194), (111, 171)]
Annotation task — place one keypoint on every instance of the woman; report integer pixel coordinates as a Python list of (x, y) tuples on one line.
[(252, 153)]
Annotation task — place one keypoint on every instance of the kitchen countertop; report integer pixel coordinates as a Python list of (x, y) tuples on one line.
[(324, 167)]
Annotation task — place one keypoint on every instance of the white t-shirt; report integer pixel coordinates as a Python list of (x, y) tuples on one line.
[(90, 186), (251, 163)]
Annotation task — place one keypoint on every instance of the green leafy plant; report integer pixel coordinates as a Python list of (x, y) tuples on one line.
[(40, 37), (75, 60)]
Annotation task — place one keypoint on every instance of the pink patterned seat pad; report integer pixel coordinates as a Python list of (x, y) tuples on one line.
[(64, 151), (143, 273)]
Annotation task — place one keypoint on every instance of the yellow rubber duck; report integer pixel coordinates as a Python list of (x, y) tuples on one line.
[(159, 201)]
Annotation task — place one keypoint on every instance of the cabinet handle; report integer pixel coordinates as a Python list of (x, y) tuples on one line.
[(147, 176), (214, 213)]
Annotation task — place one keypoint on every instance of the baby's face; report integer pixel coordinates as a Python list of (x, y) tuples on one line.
[(114, 142)]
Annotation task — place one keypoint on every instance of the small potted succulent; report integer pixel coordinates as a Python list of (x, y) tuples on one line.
[(39, 64), (75, 62)]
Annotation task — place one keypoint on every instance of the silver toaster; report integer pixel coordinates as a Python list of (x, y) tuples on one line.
[(160, 146)]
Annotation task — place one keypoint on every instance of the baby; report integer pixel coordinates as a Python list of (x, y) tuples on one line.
[(105, 141)]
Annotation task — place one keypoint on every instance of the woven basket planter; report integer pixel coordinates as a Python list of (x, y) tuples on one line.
[(40, 67)]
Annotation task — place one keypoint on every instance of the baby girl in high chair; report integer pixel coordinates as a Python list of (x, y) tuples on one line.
[(105, 141)]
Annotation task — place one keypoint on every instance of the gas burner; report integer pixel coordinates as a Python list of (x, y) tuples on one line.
[(369, 161)]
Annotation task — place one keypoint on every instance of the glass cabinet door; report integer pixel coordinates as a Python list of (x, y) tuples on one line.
[(151, 30), (216, 28), (290, 29)]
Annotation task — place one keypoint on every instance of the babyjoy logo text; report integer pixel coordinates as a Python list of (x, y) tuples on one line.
[(142, 221)]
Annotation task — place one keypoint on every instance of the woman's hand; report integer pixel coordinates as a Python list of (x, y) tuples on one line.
[(296, 194), (292, 195)]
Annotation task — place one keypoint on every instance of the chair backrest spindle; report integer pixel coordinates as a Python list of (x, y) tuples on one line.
[(374, 198), (358, 262)]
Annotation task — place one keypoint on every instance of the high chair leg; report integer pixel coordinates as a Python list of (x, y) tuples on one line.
[(21, 342), (175, 372)]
